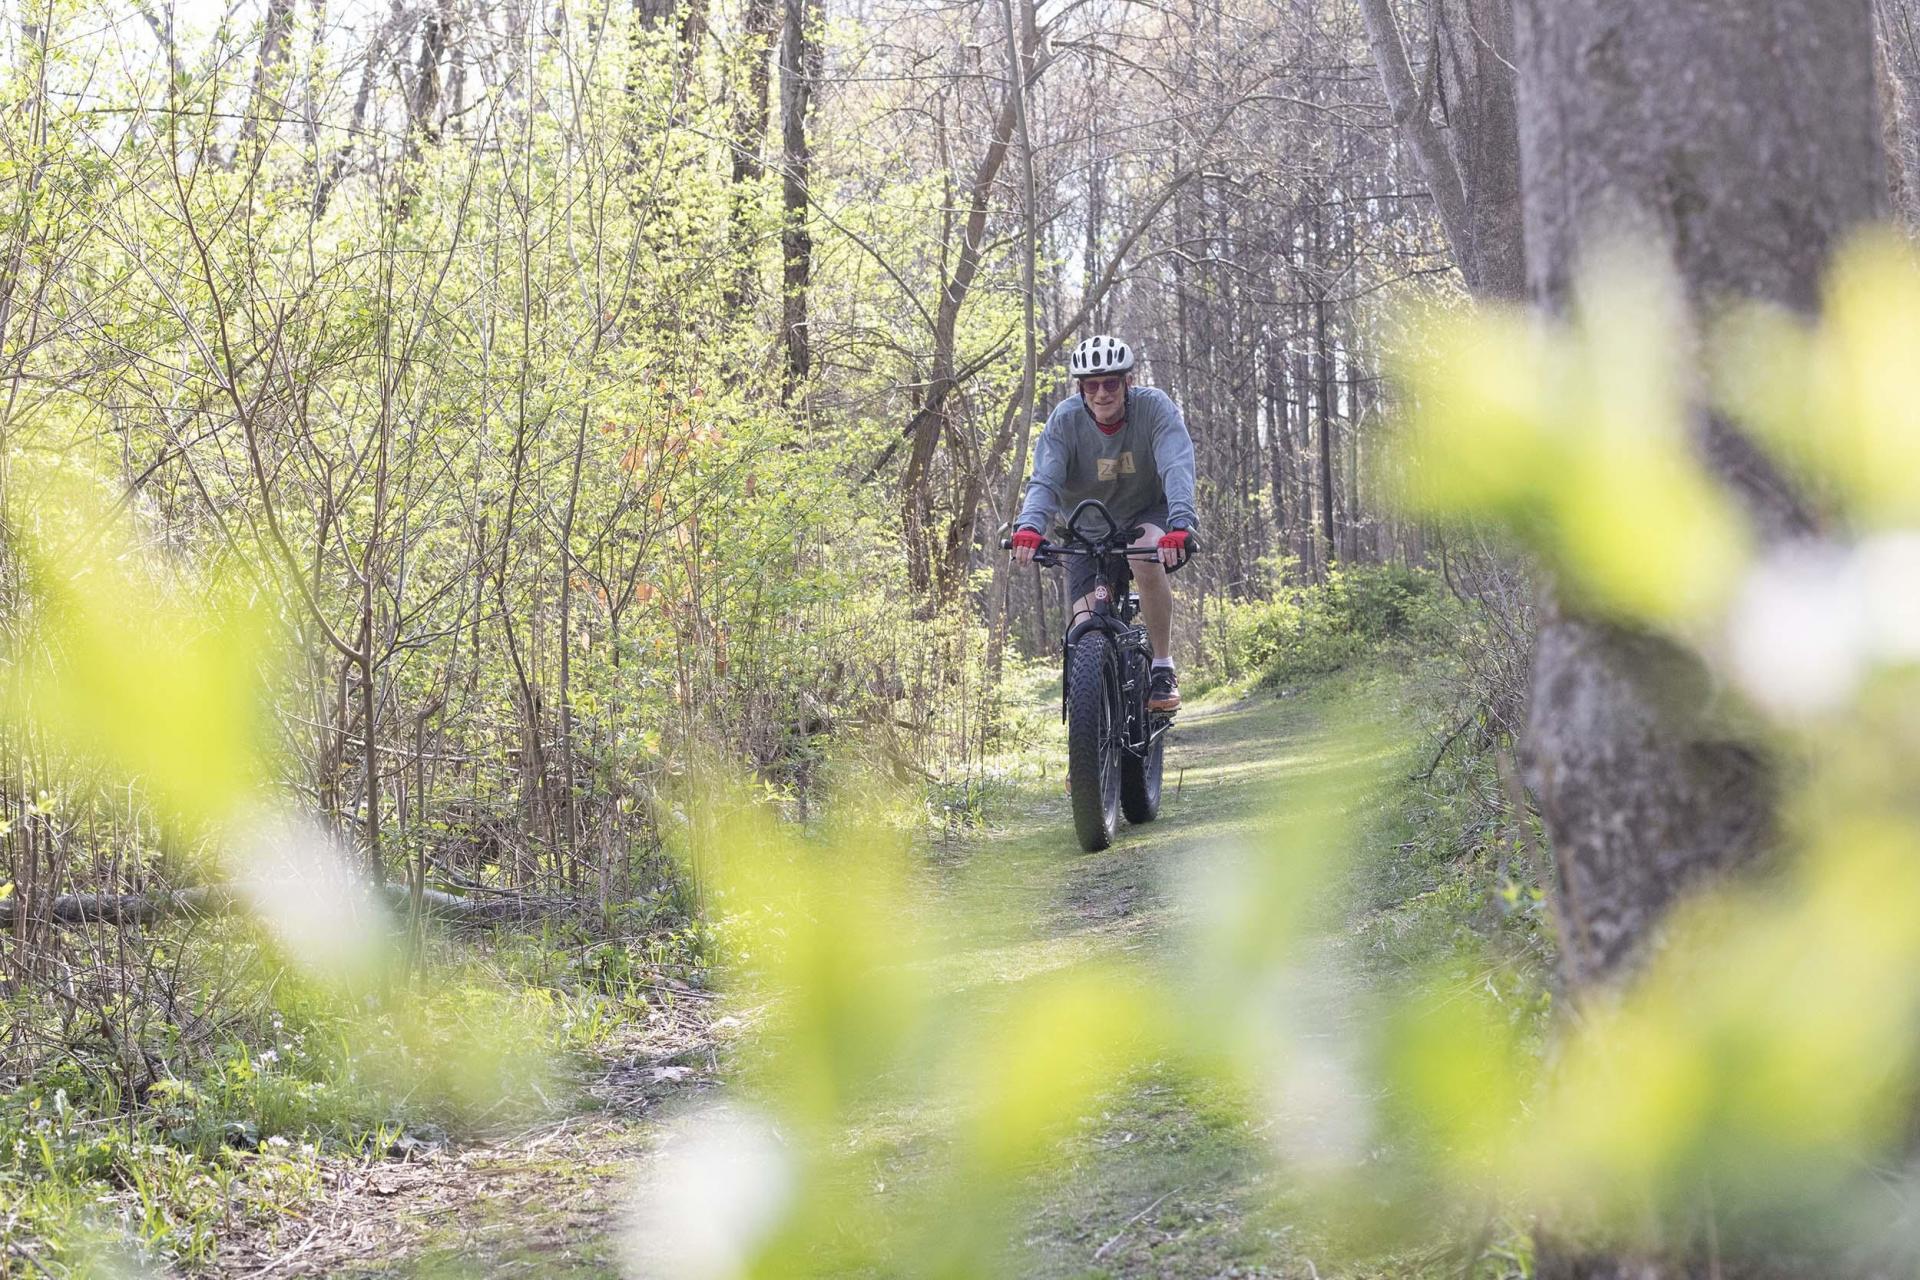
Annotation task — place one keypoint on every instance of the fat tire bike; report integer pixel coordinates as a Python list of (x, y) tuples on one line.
[(1115, 745)]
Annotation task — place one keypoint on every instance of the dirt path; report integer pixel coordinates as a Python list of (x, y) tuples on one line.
[(1169, 1181), (538, 1200)]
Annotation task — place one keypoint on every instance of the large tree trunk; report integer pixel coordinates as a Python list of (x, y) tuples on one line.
[(1898, 66), (1748, 179)]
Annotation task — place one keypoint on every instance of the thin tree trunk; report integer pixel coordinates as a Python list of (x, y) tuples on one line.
[(1472, 166), (1323, 397), (1018, 69), (799, 69), (923, 430), (1413, 115), (1279, 439), (568, 780), (274, 43), (1306, 542), (749, 129)]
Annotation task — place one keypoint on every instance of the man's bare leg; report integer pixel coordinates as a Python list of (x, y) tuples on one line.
[(1156, 594)]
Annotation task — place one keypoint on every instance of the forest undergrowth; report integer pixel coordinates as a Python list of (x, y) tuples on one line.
[(298, 1086)]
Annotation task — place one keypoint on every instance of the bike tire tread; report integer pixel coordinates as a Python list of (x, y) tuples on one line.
[(1094, 818)]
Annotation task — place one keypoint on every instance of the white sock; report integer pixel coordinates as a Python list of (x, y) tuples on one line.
[(1163, 662)]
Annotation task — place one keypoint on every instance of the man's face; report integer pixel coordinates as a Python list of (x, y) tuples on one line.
[(1106, 395)]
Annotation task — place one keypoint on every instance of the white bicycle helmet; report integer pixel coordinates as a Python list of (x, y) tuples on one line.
[(1100, 354)]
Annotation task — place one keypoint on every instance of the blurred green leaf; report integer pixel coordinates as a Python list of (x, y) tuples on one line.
[(1839, 399), (131, 660), (1576, 437)]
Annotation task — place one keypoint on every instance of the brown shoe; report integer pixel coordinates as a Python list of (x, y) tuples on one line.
[(1163, 691)]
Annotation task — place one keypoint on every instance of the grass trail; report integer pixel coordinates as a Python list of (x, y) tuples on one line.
[(1172, 1179)]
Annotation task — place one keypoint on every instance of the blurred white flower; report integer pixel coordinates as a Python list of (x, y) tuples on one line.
[(304, 886), (720, 1185), (1813, 619), (1890, 567), (1326, 1118), (1797, 635)]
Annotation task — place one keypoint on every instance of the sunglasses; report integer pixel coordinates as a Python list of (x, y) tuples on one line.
[(1101, 386)]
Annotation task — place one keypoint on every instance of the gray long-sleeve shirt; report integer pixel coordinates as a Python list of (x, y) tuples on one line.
[(1150, 456)]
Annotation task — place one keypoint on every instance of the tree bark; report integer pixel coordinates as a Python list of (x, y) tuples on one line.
[(1279, 437), (749, 130), (1748, 180), (1897, 67), (1019, 68), (1480, 102), (1323, 398), (799, 69)]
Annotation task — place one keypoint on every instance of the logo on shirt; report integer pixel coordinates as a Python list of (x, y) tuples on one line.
[(1114, 468)]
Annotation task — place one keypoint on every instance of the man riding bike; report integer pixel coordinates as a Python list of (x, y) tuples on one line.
[(1127, 446)]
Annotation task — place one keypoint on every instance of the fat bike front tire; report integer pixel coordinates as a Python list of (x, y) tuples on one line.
[(1093, 741)]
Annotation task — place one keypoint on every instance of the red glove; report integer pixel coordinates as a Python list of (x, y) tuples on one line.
[(1180, 543), (1028, 538)]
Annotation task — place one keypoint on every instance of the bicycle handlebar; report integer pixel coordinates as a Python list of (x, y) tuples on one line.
[(1063, 549), (1046, 553)]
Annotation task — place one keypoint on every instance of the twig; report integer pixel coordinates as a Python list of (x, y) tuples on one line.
[(289, 1255), (1441, 753), (1127, 1226)]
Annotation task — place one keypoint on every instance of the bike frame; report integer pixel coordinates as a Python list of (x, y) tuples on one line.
[(1113, 581)]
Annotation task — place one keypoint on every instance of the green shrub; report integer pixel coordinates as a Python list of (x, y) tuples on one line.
[(1303, 631)]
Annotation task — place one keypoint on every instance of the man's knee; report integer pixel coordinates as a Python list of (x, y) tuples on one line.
[(1144, 569)]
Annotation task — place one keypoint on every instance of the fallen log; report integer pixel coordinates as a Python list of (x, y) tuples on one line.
[(215, 900)]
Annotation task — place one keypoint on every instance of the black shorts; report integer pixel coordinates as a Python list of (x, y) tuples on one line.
[(1081, 570)]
